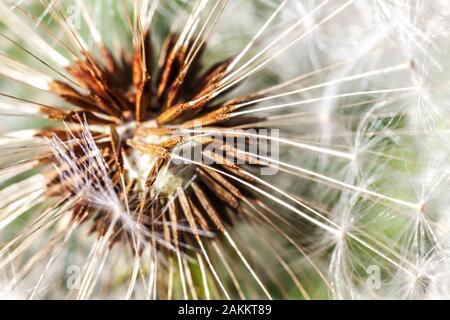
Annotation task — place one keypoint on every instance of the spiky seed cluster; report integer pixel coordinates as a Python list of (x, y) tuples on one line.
[(133, 109)]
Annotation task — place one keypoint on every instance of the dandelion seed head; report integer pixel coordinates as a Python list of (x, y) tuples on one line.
[(99, 180)]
